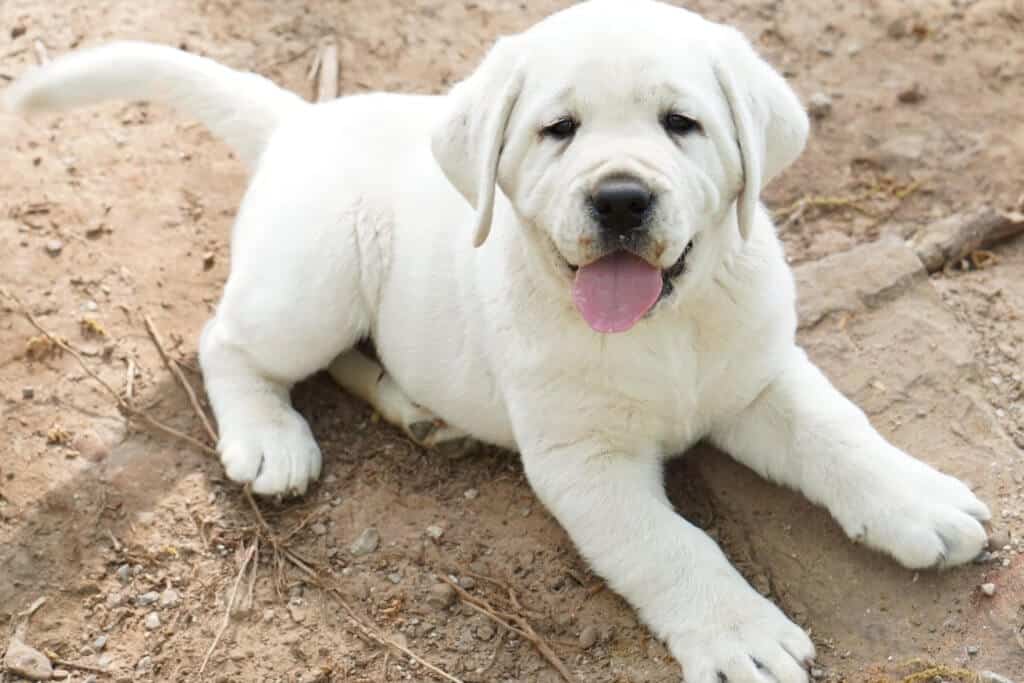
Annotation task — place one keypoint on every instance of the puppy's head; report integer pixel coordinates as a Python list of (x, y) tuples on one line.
[(632, 138)]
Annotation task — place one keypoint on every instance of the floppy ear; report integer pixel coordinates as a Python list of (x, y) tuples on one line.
[(771, 124), (468, 142)]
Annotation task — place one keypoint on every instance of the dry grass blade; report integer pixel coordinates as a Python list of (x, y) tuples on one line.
[(524, 628), (325, 67), (126, 408), (227, 609)]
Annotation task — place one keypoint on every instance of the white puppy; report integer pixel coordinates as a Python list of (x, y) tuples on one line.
[(615, 154)]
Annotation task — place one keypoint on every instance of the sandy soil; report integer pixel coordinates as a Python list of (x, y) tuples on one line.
[(121, 212)]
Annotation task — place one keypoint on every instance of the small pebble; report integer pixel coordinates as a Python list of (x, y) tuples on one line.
[(114, 599), (124, 573), (819, 105), (145, 665), (467, 582), (988, 589), (152, 621), (27, 662), (972, 650), (100, 642), (54, 247), (170, 598), (992, 677), (435, 532), (441, 596), (588, 637), (366, 543), (104, 661), (911, 95), (395, 578), (209, 258), (319, 528), (817, 673), (59, 675), (471, 494), (1000, 538), (484, 631), (148, 598), (28, 393)]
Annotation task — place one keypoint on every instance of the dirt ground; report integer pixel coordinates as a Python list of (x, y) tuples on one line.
[(123, 211)]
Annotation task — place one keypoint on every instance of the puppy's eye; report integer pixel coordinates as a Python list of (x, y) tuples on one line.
[(677, 124), (562, 129)]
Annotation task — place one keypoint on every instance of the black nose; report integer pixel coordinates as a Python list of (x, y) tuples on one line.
[(621, 204)]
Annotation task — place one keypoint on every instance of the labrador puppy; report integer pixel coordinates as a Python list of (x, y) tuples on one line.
[(632, 297)]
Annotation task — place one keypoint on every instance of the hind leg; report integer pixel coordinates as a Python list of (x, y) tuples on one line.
[(367, 379), (293, 301)]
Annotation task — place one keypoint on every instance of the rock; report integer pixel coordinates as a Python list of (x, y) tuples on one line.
[(54, 247), (999, 539), (148, 598), (114, 599), (366, 543), (319, 529), (471, 494), (435, 532), (988, 589), (295, 610), (209, 258), (319, 676), (124, 573), (170, 598), (59, 675), (819, 105), (588, 637), (395, 578), (817, 673), (441, 596), (467, 582), (28, 393), (992, 677), (862, 278), (104, 661), (972, 650), (144, 665), (152, 621), (901, 152), (100, 642), (27, 662), (484, 631), (911, 95)]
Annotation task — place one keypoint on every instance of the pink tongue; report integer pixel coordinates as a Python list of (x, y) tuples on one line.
[(612, 294)]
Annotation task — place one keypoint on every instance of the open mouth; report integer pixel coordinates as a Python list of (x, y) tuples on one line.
[(620, 288)]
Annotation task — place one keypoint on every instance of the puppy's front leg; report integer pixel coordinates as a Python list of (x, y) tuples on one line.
[(801, 432), (615, 509)]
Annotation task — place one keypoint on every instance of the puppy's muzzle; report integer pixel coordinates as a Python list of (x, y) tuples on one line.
[(622, 205)]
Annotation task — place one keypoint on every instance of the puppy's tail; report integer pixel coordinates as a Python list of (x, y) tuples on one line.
[(242, 108)]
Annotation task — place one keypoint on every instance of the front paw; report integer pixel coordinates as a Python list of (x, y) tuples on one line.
[(746, 639), (923, 518)]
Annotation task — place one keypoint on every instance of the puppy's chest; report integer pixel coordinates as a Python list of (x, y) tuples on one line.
[(660, 394)]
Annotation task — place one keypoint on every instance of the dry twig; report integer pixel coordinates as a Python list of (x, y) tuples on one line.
[(123, 405), (325, 70), (227, 610), (154, 334), (524, 628)]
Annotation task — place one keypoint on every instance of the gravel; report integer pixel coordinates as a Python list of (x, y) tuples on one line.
[(148, 598), (988, 589), (819, 105), (588, 637), (54, 247), (27, 662), (999, 539), (100, 642), (441, 596), (152, 621), (366, 543), (170, 598), (319, 528), (124, 573), (435, 532)]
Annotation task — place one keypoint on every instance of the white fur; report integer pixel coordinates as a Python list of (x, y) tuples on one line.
[(359, 221)]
